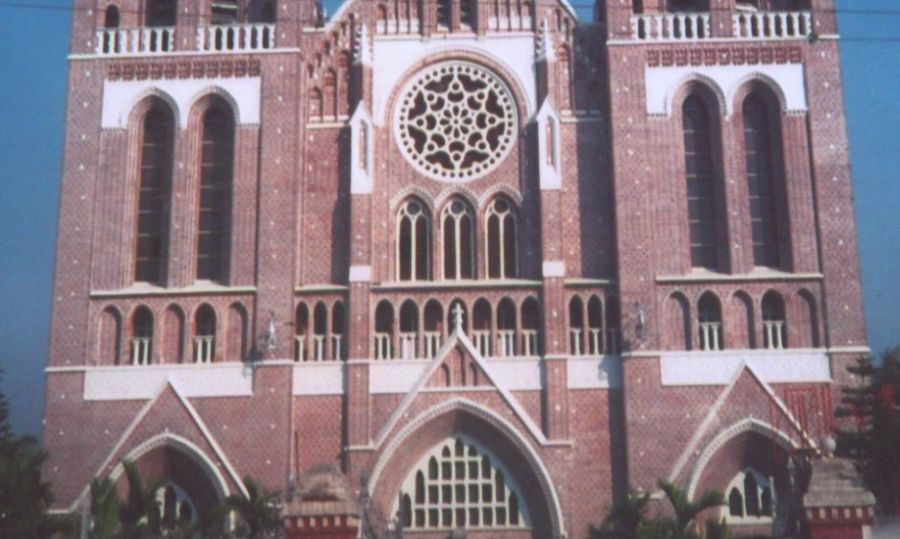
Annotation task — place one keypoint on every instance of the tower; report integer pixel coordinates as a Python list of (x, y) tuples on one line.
[(450, 264)]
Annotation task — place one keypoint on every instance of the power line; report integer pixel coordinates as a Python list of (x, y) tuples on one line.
[(851, 11)]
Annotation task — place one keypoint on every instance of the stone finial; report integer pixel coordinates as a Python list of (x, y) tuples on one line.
[(363, 53), (546, 51)]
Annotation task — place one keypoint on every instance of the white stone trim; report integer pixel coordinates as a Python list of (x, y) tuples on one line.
[(550, 172), (457, 337), (496, 466), (500, 423), (143, 382), (712, 415), (362, 171), (786, 80), (419, 86), (603, 372), (185, 446), (514, 53), (134, 424), (553, 268), (360, 274), (121, 96), (400, 376), (749, 424), (718, 368), (318, 378)]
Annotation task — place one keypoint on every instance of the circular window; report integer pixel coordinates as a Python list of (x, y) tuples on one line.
[(456, 121)]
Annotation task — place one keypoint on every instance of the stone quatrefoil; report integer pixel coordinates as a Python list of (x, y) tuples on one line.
[(456, 122)]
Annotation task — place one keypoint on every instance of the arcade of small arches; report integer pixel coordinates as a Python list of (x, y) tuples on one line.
[(144, 338), (708, 331)]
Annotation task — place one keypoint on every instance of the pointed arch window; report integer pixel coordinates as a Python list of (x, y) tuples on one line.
[(216, 171), (384, 330), (142, 337), (709, 311), (459, 254), (502, 240), (760, 139), (774, 328), (700, 172), (751, 497), (154, 196), (413, 246), (576, 326), (175, 507), (458, 484), (205, 335)]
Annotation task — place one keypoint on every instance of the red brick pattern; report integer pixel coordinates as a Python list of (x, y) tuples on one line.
[(618, 224)]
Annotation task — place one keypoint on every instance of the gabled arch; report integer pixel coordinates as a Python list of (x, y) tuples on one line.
[(186, 447), (749, 424), (410, 442)]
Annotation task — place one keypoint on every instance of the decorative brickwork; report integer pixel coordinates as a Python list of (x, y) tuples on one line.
[(475, 224)]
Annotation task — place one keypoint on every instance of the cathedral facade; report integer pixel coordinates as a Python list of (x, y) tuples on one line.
[(436, 265)]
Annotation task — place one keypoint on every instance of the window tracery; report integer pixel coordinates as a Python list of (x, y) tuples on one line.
[(457, 222), (502, 240), (750, 497), (456, 121), (413, 252), (458, 484)]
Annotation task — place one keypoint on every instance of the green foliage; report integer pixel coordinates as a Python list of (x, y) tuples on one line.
[(105, 506), (139, 515), (872, 438), (628, 518), (24, 498), (259, 513)]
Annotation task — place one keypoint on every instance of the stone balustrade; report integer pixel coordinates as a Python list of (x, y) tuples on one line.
[(772, 25), (661, 27), (135, 41), (236, 37)]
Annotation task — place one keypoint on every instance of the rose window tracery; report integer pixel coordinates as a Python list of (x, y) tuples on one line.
[(456, 121)]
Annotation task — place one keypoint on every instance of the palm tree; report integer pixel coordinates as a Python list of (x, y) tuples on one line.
[(140, 513), (24, 497), (105, 506), (258, 510), (685, 510), (628, 518), (625, 517)]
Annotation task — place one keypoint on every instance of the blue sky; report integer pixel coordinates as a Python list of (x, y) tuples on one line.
[(33, 68)]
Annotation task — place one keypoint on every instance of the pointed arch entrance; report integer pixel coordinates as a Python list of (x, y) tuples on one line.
[(538, 506), (188, 480)]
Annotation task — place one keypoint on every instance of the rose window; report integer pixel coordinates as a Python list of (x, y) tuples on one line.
[(457, 121)]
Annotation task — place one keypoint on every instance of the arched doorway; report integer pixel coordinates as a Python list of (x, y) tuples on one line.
[(187, 484), (472, 447)]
